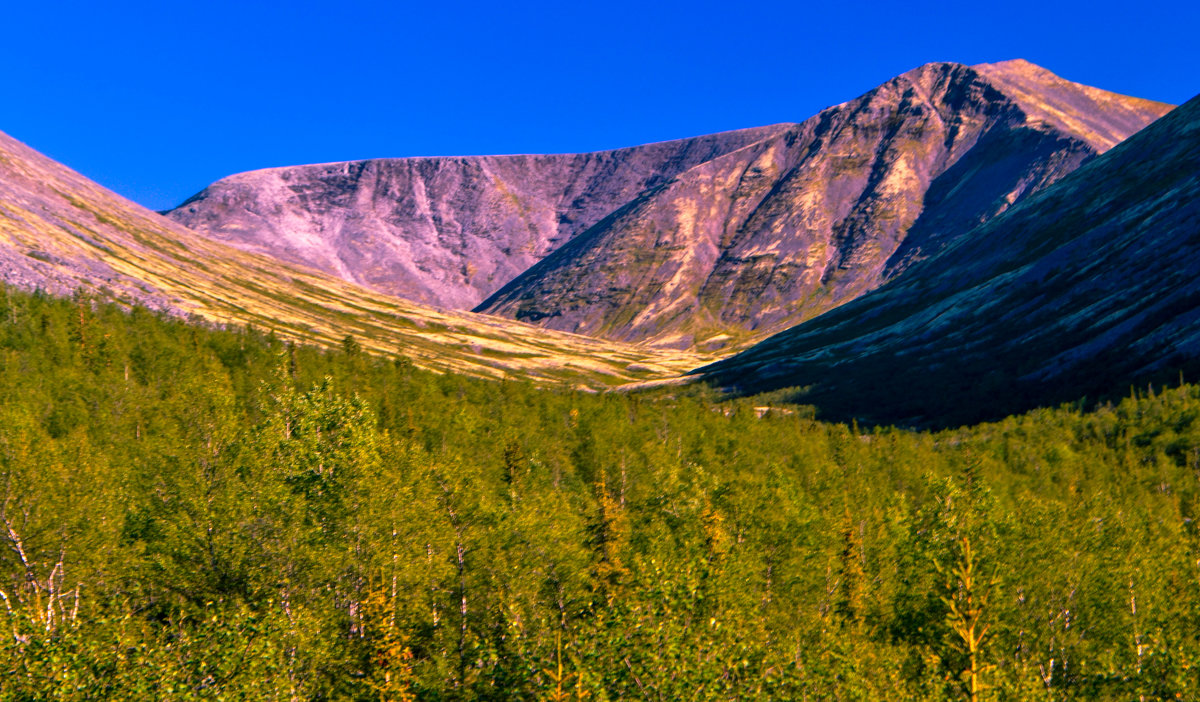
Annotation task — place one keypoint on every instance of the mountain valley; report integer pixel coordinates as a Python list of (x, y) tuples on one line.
[(891, 403)]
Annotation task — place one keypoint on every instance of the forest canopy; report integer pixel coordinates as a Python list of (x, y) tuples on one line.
[(200, 513)]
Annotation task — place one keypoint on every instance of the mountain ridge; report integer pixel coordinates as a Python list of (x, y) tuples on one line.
[(441, 230)]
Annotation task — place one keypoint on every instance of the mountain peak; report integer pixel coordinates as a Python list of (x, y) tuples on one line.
[(1017, 65), (1100, 117), (762, 239)]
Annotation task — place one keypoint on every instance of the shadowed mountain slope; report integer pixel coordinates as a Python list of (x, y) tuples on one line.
[(444, 231), (60, 232), (1081, 290), (821, 212)]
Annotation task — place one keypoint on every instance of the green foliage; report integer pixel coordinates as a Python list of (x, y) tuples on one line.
[(209, 514)]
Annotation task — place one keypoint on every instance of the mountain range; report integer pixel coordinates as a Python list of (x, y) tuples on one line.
[(705, 243), (442, 231)]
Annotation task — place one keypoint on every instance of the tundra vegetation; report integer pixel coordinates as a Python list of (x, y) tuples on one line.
[(199, 513)]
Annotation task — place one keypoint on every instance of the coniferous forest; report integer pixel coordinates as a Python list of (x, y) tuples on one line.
[(199, 513)]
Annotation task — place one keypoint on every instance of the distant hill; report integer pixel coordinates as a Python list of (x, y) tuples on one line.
[(60, 232), (1081, 290)]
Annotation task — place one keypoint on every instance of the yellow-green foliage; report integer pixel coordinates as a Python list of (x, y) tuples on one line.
[(192, 513)]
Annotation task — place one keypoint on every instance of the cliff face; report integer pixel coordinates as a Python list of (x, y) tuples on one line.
[(821, 212), (1079, 291), (444, 231)]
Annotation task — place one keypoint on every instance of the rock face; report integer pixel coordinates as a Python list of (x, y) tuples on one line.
[(1080, 290), (819, 213), (443, 231)]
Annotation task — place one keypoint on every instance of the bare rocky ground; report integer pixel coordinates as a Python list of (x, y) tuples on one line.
[(443, 231)]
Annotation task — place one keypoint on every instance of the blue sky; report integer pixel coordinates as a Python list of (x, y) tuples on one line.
[(156, 100)]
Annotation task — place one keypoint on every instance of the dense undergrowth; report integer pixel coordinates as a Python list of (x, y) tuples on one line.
[(196, 513)]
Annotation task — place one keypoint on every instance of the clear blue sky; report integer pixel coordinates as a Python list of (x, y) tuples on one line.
[(157, 99)]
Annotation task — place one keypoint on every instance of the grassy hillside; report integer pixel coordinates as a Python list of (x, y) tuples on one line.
[(192, 513), (60, 231)]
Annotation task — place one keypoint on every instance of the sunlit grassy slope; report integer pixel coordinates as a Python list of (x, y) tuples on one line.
[(60, 232)]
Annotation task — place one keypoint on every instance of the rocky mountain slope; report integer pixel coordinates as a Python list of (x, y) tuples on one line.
[(710, 242), (1081, 290), (444, 231), (819, 213), (60, 232)]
